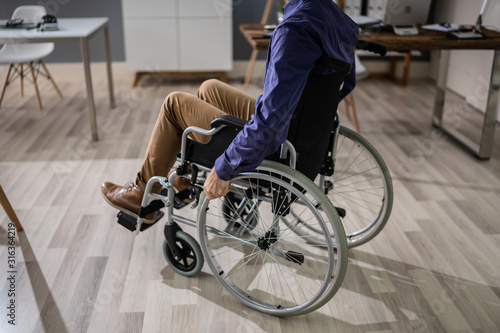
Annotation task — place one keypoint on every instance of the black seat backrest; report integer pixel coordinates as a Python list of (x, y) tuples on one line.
[(310, 126), (313, 118)]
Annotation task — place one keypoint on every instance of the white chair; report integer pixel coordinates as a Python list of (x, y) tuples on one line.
[(361, 73), (16, 55)]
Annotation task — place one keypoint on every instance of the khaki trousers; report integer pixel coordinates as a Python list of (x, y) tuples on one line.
[(181, 110)]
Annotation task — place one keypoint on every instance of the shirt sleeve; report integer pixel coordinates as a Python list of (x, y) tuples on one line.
[(291, 56)]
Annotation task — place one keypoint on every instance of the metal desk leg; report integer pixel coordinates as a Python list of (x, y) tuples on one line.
[(490, 117), (90, 93), (485, 146), (444, 59), (108, 66)]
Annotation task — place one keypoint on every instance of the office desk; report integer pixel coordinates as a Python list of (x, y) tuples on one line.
[(79, 30), (429, 41)]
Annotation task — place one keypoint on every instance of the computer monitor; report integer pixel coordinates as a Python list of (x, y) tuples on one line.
[(401, 12), (404, 14)]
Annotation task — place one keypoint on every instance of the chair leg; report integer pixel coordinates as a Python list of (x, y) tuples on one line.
[(9, 210), (137, 79), (354, 115), (50, 78), (349, 104), (222, 77), (406, 69), (21, 77), (36, 86), (6, 83), (251, 64), (346, 107)]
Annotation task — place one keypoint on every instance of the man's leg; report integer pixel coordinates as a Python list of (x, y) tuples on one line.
[(226, 98), (179, 111)]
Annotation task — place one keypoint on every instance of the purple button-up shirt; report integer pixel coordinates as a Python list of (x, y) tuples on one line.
[(310, 29)]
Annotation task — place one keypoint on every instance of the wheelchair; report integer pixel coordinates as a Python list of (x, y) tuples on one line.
[(276, 241)]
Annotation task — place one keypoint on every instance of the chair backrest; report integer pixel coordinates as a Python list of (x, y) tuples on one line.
[(25, 53), (30, 14), (313, 118)]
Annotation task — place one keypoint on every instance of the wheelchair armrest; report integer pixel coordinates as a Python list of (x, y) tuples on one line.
[(228, 120), (224, 130)]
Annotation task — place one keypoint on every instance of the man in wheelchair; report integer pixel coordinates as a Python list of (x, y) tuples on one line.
[(310, 31)]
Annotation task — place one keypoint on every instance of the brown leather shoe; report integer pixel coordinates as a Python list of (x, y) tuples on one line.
[(125, 198)]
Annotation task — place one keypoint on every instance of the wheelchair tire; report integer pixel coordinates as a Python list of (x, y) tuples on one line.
[(361, 185), (269, 268), (192, 261)]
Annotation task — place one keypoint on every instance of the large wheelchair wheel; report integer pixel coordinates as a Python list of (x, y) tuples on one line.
[(360, 187), (268, 267)]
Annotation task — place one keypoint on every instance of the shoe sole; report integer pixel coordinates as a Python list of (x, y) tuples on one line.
[(126, 211)]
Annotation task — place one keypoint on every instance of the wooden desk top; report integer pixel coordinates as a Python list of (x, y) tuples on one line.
[(425, 41)]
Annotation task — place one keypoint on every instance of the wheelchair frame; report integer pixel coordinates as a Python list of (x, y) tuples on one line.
[(149, 196), (272, 242), (329, 234), (317, 229)]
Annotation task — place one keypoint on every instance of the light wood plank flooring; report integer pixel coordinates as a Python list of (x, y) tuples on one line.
[(434, 268)]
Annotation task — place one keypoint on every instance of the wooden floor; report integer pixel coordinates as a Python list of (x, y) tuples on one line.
[(434, 268)]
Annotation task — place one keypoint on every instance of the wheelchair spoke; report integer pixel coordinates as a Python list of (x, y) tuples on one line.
[(354, 200), (294, 276)]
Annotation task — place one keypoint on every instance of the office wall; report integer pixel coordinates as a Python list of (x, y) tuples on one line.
[(469, 71), (244, 11)]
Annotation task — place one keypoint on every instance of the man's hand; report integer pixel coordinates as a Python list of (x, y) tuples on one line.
[(216, 187)]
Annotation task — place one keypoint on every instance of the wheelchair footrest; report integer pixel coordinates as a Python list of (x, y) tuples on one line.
[(130, 222), (182, 199)]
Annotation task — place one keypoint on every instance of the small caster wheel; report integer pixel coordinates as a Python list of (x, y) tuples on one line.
[(191, 260)]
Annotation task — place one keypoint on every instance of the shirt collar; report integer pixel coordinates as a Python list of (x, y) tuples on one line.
[(291, 6)]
